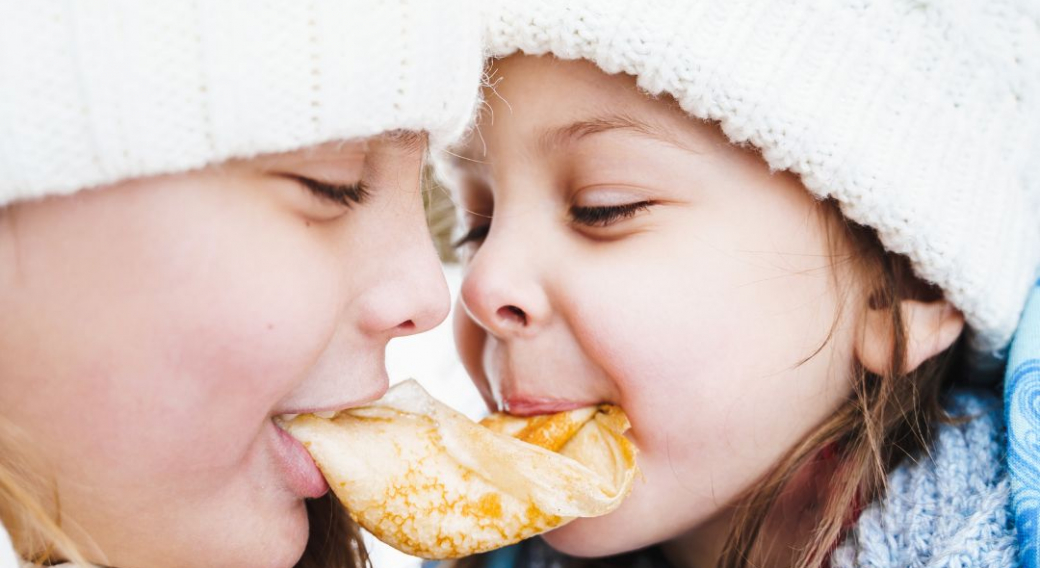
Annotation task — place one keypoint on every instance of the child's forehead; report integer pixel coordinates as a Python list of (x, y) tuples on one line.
[(545, 105), (548, 139)]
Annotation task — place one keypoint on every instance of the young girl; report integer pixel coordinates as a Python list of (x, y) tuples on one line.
[(209, 216), (777, 263)]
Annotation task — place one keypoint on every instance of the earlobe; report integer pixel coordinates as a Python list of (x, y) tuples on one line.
[(931, 327)]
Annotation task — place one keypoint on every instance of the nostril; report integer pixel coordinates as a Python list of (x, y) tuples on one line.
[(512, 314), (406, 326)]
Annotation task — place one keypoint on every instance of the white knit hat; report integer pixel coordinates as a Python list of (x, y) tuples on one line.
[(98, 91), (921, 118)]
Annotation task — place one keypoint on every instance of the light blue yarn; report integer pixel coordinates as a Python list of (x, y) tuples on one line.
[(949, 509)]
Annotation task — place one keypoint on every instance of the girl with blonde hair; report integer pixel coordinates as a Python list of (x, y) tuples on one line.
[(210, 216)]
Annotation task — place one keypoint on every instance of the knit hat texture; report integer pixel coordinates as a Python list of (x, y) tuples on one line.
[(921, 118), (94, 92)]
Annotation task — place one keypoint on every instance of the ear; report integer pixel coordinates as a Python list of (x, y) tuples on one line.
[(931, 327)]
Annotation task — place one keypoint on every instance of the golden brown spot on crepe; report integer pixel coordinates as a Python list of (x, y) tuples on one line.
[(434, 498), (551, 431), (486, 511), (536, 519), (489, 506), (372, 418)]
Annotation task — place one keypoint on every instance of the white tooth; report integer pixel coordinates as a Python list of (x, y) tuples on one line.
[(328, 414), (288, 417)]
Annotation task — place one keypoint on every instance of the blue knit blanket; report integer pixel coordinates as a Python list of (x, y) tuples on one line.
[(1022, 408)]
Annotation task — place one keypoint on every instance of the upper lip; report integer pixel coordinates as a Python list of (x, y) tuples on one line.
[(319, 410), (363, 398), (316, 409)]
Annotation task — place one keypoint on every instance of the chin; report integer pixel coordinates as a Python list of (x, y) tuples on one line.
[(588, 538), (295, 542), (278, 544)]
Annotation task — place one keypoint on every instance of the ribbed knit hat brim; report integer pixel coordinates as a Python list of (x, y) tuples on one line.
[(94, 92), (922, 119)]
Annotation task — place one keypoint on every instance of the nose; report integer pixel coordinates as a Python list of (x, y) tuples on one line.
[(502, 291), (414, 296), (408, 293)]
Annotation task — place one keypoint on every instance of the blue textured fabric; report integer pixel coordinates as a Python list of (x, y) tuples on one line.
[(1022, 408), (948, 508), (503, 557)]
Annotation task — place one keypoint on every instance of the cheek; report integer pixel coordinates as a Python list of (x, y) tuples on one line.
[(236, 337), (203, 320), (706, 363), (666, 356)]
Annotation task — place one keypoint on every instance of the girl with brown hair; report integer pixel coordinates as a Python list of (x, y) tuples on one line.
[(777, 235)]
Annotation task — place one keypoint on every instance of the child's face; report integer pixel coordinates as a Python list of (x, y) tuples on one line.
[(636, 257), (153, 329)]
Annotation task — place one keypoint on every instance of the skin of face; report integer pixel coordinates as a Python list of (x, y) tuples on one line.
[(620, 251), (153, 329)]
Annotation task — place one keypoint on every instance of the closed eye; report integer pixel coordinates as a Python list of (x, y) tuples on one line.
[(605, 215), (343, 194)]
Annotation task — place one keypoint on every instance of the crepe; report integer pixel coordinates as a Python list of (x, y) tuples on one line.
[(430, 482)]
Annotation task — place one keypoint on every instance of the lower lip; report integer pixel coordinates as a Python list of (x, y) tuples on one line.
[(303, 475), (532, 407)]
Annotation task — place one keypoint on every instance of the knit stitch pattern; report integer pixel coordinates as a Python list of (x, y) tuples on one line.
[(921, 118), (99, 91), (948, 509)]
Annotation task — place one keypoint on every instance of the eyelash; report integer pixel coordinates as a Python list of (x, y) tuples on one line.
[(602, 216), (343, 194), (606, 215), (474, 235)]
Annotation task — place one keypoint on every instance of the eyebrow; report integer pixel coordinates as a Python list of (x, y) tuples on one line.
[(408, 139), (553, 138)]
